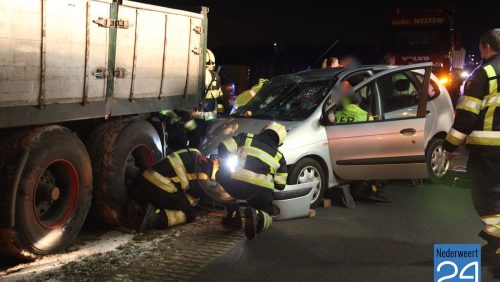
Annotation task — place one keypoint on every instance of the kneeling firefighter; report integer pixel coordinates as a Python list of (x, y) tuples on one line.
[(172, 186), (251, 167)]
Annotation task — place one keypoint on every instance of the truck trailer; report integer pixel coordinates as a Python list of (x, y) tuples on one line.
[(80, 83)]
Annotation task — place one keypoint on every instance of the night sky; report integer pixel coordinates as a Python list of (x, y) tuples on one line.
[(240, 31)]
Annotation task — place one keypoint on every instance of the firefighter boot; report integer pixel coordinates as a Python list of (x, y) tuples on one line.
[(149, 220), (232, 220), (250, 223)]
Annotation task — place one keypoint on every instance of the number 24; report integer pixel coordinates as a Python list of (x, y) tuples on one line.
[(455, 267)]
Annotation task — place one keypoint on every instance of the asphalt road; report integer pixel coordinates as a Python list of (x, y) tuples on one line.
[(372, 242)]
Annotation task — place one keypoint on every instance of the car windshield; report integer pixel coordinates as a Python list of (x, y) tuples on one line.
[(289, 97)]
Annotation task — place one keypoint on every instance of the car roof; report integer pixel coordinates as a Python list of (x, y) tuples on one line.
[(332, 72)]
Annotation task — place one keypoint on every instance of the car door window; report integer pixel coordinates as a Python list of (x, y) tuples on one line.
[(399, 93), (359, 106)]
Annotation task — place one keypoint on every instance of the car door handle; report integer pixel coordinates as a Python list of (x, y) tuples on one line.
[(408, 131)]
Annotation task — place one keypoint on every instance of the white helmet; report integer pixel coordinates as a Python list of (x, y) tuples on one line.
[(210, 60), (279, 129)]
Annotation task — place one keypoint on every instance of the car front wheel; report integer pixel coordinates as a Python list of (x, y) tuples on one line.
[(437, 165), (309, 170)]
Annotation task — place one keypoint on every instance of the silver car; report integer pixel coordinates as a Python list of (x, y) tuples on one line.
[(409, 114)]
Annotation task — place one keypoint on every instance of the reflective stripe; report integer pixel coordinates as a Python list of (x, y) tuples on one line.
[(493, 230), (248, 140), (192, 201), (488, 118), (261, 155), (180, 170), (267, 220), (280, 178), (190, 125), (252, 93), (243, 155), (455, 137), (491, 219), (191, 176), (486, 138), (491, 100), (175, 217), (231, 145), (490, 72), (278, 157), (471, 104), (159, 181), (213, 94), (262, 180)]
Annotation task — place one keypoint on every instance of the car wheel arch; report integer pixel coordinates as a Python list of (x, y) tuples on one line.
[(317, 158)]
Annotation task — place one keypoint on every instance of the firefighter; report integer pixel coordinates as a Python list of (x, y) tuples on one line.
[(477, 121), (251, 167), (247, 95), (172, 186), (213, 97), (180, 126)]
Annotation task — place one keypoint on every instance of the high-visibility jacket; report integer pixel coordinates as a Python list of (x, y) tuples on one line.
[(212, 84), (477, 118), (260, 163), (177, 173), (247, 95), (351, 113)]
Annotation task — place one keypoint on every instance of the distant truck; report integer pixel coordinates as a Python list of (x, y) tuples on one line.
[(421, 33), (80, 81)]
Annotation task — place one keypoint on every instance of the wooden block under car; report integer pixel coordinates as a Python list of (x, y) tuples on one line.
[(326, 203), (312, 213)]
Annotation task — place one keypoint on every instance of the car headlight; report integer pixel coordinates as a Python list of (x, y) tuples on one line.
[(464, 74)]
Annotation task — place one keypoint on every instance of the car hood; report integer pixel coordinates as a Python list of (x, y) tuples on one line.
[(234, 126)]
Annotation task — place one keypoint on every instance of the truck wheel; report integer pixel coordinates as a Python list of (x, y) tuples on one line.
[(120, 150), (437, 166), (309, 170), (54, 194)]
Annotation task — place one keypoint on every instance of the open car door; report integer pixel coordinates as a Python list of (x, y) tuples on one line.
[(389, 144)]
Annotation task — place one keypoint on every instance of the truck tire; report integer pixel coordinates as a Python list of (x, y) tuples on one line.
[(434, 156), (120, 150), (53, 196), (309, 170)]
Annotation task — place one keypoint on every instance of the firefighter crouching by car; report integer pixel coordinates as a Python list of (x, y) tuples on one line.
[(213, 97), (251, 167), (477, 121), (172, 186)]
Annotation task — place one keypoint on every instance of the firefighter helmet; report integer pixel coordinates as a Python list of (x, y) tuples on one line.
[(210, 60), (279, 129)]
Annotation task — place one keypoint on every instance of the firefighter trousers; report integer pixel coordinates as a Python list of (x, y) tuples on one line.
[(483, 167), (261, 199)]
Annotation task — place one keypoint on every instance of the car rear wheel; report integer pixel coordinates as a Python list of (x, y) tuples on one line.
[(53, 196), (120, 150), (308, 170), (437, 165)]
